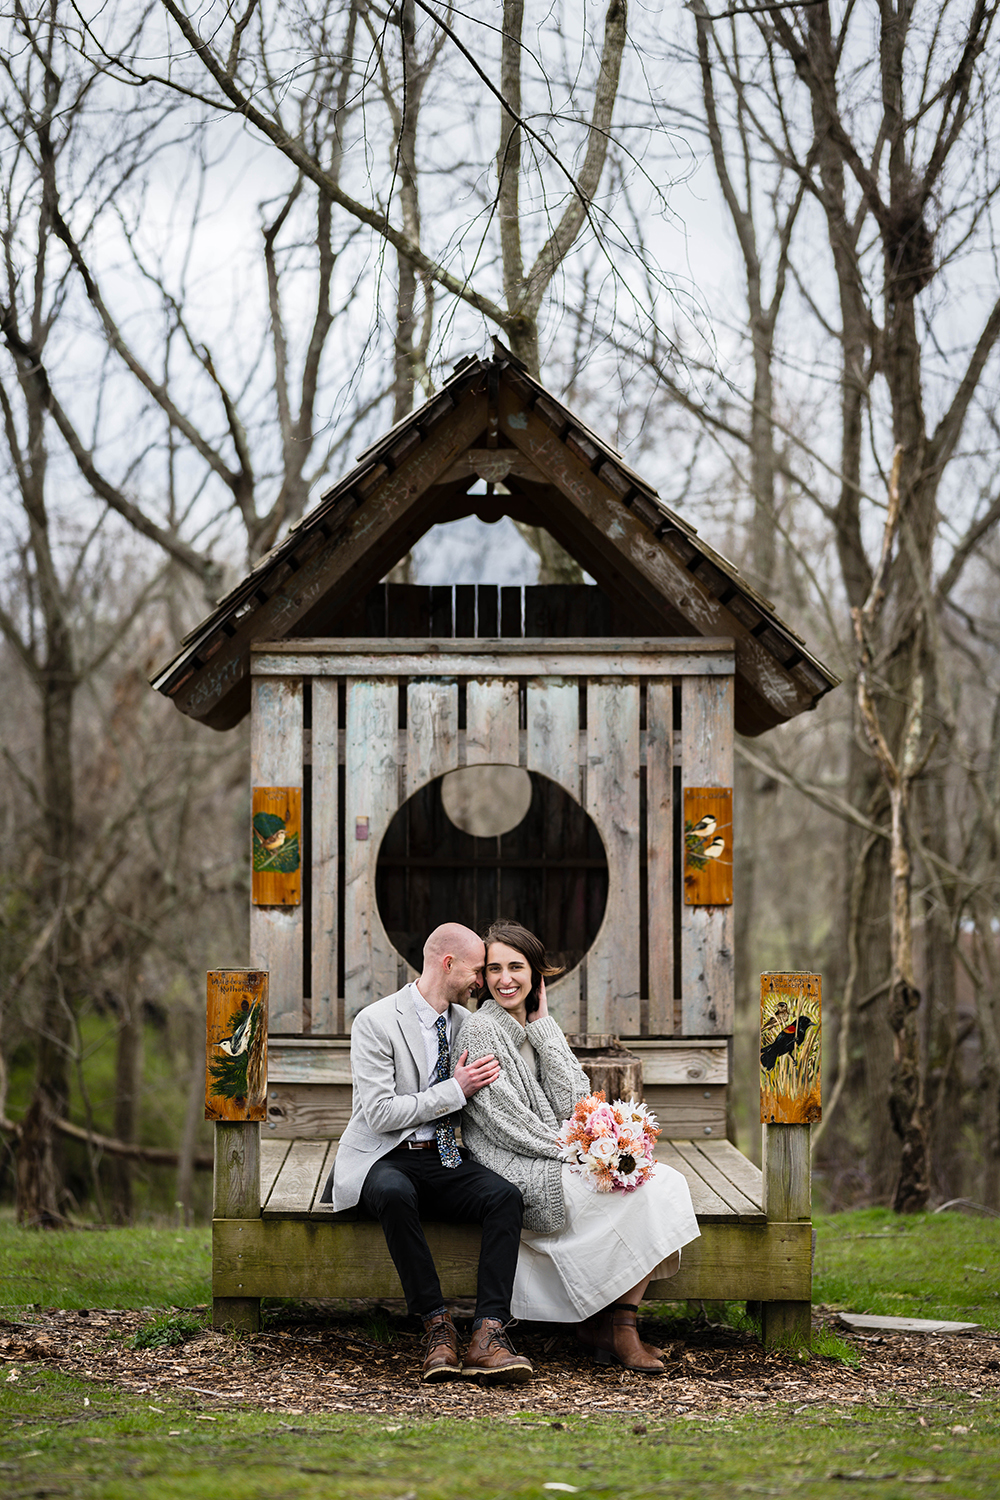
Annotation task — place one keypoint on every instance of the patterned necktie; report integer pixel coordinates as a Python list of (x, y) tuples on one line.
[(444, 1133)]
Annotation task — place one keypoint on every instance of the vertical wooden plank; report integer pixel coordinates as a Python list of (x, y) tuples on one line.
[(431, 730), (553, 741), (408, 609), (371, 782), (465, 610), (327, 1014), (487, 610), (441, 609), (510, 610), (376, 607), (491, 722), (707, 1007), (553, 707), (659, 853), (276, 760), (613, 803)]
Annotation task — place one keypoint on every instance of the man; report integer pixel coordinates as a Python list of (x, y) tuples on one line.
[(399, 1160)]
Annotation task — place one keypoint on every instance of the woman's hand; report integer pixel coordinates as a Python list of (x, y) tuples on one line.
[(543, 1007)]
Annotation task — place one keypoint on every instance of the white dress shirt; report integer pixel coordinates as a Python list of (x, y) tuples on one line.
[(428, 1018)]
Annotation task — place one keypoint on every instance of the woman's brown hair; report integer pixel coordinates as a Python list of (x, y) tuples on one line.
[(525, 942)]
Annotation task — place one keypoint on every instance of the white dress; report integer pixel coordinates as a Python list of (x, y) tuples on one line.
[(609, 1243)]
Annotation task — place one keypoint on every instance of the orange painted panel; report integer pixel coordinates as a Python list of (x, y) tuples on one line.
[(276, 835), (708, 846), (236, 1045), (791, 1015)]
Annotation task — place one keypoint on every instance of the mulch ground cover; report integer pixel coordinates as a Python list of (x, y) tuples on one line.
[(329, 1364)]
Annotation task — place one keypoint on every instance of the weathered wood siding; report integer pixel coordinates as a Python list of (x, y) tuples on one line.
[(622, 726)]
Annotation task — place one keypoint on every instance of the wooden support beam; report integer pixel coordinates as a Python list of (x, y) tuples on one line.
[(786, 1159), (334, 1258), (577, 656), (236, 1200)]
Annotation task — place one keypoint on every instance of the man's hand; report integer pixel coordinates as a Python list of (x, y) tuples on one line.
[(477, 1075)]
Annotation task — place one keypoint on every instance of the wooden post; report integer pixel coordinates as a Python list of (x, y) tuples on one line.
[(236, 1033), (608, 1064), (790, 1057)]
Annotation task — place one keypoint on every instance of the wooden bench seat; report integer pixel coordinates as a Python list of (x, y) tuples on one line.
[(724, 1184), (299, 1247)]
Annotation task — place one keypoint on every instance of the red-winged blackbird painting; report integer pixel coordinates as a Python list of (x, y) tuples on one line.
[(785, 1042)]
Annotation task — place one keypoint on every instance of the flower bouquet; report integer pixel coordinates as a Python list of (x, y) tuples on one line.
[(610, 1145)]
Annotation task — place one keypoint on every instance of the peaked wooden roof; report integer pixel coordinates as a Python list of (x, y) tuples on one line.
[(493, 421)]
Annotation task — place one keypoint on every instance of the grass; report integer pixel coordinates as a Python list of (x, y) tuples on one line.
[(105, 1267), (914, 1266), (62, 1437)]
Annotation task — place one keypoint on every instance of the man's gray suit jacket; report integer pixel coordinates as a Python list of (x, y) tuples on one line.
[(392, 1094)]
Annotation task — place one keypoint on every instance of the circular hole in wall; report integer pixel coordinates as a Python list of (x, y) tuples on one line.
[(548, 871)]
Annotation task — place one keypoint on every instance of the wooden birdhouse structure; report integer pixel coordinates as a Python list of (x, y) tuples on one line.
[(558, 754)]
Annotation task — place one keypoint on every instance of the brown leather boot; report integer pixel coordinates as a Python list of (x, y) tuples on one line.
[(626, 1346), (441, 1361), (492, 1357), (597, 1332)]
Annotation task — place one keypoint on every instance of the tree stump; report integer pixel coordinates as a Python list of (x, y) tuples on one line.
[(608, 1065)]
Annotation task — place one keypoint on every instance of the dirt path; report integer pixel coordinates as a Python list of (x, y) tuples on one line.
[(332, 1364)]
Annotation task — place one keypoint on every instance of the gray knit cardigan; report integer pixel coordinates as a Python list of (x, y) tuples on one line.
[(511, 1125)]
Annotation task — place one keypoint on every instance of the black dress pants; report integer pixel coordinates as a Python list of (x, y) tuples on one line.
[(405, 1186)]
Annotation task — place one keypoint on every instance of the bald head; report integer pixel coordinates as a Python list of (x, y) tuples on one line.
[(453, 965), (454, 939)]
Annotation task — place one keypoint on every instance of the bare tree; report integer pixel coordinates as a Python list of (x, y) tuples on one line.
[(409, 45), (887, 153)]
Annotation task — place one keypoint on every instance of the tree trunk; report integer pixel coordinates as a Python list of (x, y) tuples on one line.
[(39, 1176), (128, 1075)]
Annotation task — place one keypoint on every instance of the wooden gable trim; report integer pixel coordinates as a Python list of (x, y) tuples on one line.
[(645, 557), (354, 530), (590, 508)]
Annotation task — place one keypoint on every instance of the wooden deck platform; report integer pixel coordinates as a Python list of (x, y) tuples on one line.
[(300, 1247), (724, 1184)]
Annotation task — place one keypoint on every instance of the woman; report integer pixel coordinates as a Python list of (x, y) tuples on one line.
[(585, 1257)]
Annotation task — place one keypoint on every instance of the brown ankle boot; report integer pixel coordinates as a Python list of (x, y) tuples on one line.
[(597, 1333), (626, 1346), (491, 1356), (440, 1340)]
